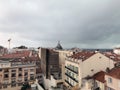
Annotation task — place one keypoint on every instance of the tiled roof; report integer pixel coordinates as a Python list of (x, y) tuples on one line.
[(115, 72), (26, 59), (113, 56), (100, 76), (82, 55), (17, 54)]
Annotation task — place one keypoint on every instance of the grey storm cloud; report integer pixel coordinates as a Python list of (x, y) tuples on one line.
[(81, 22)]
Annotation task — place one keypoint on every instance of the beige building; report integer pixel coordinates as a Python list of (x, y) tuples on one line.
[(14, 74), (113, 79), (99, 81), (80, 67), (62, 56), (109, 80)]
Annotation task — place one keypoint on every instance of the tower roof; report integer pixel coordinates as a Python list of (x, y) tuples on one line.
[(58, 46), (1, 47)]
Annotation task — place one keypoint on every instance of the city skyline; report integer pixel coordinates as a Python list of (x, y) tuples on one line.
[(80, 23)]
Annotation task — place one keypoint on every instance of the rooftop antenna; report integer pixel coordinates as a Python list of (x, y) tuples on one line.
[(9, 42)]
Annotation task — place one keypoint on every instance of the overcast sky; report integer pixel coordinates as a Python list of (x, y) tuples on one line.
[(76, 23)]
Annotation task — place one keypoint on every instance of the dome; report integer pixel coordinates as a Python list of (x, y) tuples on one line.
[(59, 47)]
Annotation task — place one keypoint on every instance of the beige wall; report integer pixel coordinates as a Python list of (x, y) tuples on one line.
[(96, 63), (101, 85), (62, 57), (9, 79), (13, 88), (115, 83)]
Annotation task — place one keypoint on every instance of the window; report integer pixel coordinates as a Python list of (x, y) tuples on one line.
[(13, 83), (26, 74), (108, 88), (96, 84), (4, 85), (13, 75), (6, 76), (67, 72), (73, 75), (13, 70), (20, 69), (20, 84), (119, 84), (31, 70), (31, 77), (109, 80), (76, 69), (67, 78), (76, 76), (20, 74), (6, 70)]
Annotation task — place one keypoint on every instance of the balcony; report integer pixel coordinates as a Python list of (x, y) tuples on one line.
[(13, 75), (19, 75), (13, 71), (20, 69), (71, 77), (6, 76), (6, 71), (68, 83), (13, 84), (71, 69), (20, 84), (5, 85), (26, 74)]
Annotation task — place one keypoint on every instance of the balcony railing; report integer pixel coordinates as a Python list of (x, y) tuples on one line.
[(68, 83), (71, 69), (6, 71), (6, 77), (71, 77), (13, 71)]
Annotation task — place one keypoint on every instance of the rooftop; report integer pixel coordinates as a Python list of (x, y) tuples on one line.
[(115, 72), (112, 56), (82, 55), (17, 54), (100, 76), (59, 47)]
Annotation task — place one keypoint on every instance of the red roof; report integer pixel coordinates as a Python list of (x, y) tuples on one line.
[(100, 76), (113, 56), (18, 54), (115, 72), (82, 55)]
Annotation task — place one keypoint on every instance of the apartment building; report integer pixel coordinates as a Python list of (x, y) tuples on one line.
[(99, 81), (3, 50), (80, 67), (18, 68), (112, 79), (109, 80), (15, 73), (49, 65), (49, 61)]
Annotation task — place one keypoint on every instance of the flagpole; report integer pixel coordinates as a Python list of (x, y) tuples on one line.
[(9, 40)]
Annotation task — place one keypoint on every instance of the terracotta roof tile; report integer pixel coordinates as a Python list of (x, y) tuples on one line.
[(82, 55), (115, 72), (113, 56), (18, 54), (100, 76)]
